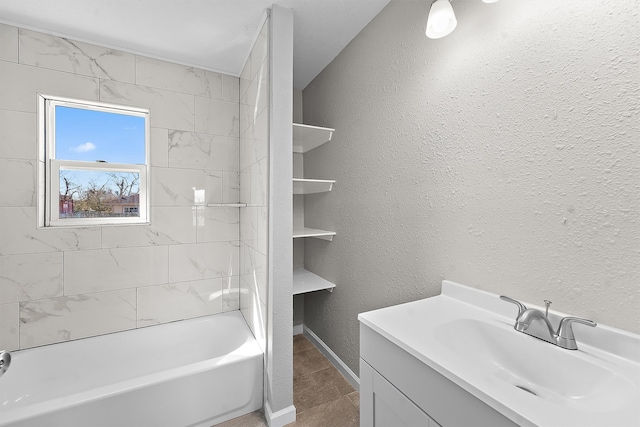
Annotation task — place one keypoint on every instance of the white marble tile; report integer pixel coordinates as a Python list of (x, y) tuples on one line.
[(262, 100), (230, 293), (169, 226), (245, 186), (230, 88), (67, 318), (262, 245), (247, 150), (256, 97), (246, 301), (244, 81), (176, 301), (254, 144), (20, 235), (30, 276), (257, 274), (159, 146), (260, 50), (249, 226), (230, 187), (255, 314), (220, 224), (202, 261), (111, 269), (260, 133), (18, 133), (9, 327), (217, 117), (259, 183), (245, 119), (20, 84), (203, 151), (8, 43), (57, 53), (18, 178), (174, 187), (180, 78), (171, 110), (250, 98), (214, 186)]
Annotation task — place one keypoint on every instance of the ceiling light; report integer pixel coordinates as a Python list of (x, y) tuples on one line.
[(442, 20), (489, 1)]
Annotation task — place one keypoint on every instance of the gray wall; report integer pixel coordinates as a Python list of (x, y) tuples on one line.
[(504, 157)]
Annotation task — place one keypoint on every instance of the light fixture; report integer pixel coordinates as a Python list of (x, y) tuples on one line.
[(441, 20), (489, 1)]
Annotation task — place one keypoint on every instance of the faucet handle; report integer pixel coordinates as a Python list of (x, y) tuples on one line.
[(521, 306), (565, 335)]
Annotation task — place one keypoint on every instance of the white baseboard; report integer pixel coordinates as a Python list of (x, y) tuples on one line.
[(333, 358), (280, 418), (298, 329)]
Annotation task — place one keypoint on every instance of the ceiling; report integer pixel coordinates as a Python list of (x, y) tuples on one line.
[(211, 34)]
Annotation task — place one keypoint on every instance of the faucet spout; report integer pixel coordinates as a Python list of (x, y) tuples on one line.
[(533, 322), (536, 323)]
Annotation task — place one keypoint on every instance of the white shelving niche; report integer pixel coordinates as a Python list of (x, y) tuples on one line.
[(306, 138), (312, 186)]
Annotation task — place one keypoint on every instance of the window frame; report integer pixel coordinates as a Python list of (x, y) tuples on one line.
[(49, 166)]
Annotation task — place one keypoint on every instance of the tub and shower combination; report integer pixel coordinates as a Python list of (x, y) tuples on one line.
[(195, 372)]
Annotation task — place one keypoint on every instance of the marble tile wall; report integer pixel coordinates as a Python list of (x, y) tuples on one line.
[(59, 284), (254, 185)]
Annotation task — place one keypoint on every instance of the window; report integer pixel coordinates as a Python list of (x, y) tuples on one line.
[(94, 160)]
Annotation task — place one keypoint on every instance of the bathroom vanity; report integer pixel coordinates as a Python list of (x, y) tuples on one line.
[(456, 360)]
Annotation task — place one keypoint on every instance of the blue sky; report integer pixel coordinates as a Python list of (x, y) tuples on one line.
[(90, 135)]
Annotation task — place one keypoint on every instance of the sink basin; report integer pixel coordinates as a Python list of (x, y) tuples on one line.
[(466, 335), (529, 365)]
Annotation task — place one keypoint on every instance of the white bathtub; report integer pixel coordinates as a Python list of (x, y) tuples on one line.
[(190, 373)]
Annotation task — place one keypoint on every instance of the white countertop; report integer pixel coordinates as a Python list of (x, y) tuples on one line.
[(421, 328)]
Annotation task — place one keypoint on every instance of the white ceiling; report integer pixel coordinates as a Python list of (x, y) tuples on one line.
[(212, 34)]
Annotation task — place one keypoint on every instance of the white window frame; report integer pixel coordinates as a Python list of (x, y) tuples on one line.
[(49, 170)]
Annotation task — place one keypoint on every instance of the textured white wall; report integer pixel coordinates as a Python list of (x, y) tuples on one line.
[(504, 156)]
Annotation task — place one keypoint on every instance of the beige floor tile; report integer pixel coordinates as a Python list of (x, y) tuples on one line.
[(300, 343), (308, 361), (319, 387), (337, 413), (355, 399)]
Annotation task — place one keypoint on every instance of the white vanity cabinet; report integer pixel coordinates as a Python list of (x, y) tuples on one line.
[(455, 360), (397, 390), (385, 405)]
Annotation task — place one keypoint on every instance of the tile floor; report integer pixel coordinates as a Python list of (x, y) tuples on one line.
[(321, 395)]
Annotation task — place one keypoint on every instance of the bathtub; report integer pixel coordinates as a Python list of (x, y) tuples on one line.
[(196, 372)]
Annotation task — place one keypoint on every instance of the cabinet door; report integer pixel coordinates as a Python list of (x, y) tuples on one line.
[(387, 406)]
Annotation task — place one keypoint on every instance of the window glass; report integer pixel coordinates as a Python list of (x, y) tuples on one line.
[(99, 194), (91, 135), (95, 163)]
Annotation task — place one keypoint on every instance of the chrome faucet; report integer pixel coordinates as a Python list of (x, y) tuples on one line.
[(5, 361), (536, 323)]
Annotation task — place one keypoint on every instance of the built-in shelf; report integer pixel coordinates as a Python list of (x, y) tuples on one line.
[(226, 205), (307, 137), (311, 186), (305, 281), (312, 232)]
